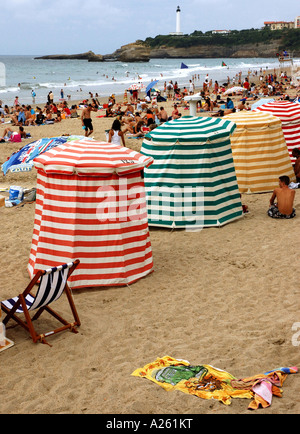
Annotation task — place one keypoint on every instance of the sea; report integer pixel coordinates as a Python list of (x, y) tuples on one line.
[(77, 79)]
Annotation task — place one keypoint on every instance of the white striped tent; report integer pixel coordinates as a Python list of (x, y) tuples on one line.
[(259, 151), (289, 114), (91, 206), (192, 182)]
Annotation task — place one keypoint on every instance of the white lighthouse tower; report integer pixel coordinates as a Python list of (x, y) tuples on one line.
[(178, 32), (178, 20)]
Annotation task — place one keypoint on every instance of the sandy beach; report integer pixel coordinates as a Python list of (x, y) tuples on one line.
[(227, 297)]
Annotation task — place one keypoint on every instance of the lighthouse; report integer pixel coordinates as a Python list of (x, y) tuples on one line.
[(178, 32), (178, 20)]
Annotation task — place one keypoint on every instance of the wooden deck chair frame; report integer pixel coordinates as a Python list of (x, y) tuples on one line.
[(20, 303)]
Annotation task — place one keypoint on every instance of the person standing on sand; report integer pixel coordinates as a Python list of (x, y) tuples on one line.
[(33, 94), (283, 209), (87, 120)]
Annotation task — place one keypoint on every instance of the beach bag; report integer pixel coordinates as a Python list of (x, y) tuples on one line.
[(16, 192)]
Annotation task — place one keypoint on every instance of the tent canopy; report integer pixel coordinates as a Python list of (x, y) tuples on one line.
[(91, 206), (192, 182), (88, 158), (289, 114), (259, 151), (192, 129)]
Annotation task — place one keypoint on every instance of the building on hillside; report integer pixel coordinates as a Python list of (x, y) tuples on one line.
[(279, 25), (221, 32)]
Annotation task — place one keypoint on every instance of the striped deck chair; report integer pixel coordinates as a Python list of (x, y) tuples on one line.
[(52, 283)]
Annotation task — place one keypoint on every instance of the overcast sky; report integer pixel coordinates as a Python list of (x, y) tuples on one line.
[(76, 26)]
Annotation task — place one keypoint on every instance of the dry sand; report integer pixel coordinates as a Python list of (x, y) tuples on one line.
[(226, 296)]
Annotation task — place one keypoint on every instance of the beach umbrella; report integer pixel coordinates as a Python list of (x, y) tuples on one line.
[(192, 182), (90, 205), (289, 114), (151, 85), (261, 102), (259, 151), (136, 86), (22, 160), (234, 89)]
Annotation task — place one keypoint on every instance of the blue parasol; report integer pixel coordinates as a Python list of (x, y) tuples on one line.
[(150, 85)]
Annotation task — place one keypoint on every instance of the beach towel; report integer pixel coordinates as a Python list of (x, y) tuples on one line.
[(208, 382), (15, 137)]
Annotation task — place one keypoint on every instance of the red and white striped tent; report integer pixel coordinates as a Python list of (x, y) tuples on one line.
[(91, 206), (289, 114)]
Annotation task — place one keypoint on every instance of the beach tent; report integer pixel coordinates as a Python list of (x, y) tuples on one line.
[(91, 206), (289, 114), (259, 151), (192, 182)]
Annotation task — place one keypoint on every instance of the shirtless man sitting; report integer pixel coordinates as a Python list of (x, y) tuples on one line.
[(162, 115), (285, 199)]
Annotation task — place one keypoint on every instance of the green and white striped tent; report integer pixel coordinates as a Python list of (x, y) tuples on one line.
[(192, 182)]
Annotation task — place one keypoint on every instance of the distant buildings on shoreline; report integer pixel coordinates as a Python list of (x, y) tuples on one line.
[(279, 25)]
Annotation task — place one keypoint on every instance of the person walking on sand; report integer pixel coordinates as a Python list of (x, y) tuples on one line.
[(283, 209), (87, 120)]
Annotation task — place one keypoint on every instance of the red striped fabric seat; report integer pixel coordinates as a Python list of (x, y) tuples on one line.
[(91, 205)]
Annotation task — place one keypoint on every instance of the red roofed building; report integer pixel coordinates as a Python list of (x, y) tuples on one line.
[(279, 25)]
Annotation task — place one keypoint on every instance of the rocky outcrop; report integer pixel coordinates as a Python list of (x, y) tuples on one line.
[(90, 56), (135, 52)]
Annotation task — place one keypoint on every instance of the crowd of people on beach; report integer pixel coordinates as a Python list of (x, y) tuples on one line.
[(138, 114)]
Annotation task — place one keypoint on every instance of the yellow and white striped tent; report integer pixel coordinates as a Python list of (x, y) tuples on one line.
[(259, 151)]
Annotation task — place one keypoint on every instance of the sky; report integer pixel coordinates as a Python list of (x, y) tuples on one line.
[(40, 27)]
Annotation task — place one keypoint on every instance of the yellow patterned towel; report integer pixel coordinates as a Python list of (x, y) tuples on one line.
[(208, 382)]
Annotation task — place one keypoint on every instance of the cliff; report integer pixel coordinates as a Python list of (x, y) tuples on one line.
[(134, 52), (216, 51)]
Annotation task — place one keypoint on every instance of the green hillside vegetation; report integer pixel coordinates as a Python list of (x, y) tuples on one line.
[(288, 39)]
